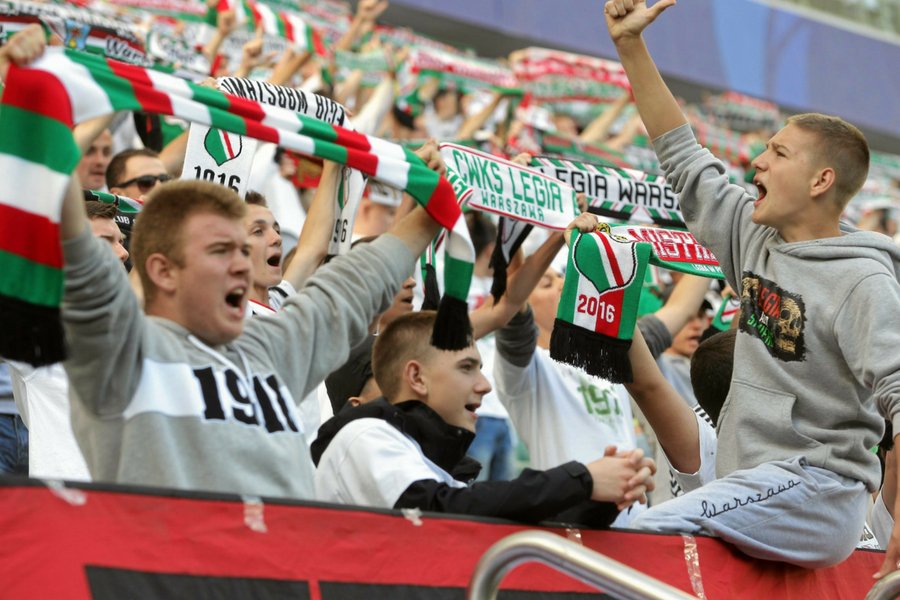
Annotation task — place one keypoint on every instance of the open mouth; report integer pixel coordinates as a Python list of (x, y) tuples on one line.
[(274, 260), (762, 193), (235, 298), (472, 408)]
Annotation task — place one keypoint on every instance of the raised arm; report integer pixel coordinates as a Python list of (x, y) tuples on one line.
[(683, 303), (669, 415), (626, 21), (312, 247)]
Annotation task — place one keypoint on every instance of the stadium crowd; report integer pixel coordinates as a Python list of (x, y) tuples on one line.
[(242, 317)]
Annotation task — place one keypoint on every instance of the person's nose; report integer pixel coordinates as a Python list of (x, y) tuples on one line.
[(483, 386), (121, 252)]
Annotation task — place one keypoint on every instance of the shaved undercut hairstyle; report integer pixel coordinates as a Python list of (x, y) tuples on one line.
[(407, 338)]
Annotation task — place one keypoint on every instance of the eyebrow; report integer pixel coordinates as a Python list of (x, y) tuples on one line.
[(469, 361), (777, 145)]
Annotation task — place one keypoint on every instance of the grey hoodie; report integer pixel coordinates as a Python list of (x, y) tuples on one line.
[(153, 405), (817, 360)]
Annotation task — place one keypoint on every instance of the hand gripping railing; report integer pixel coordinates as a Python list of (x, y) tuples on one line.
[(886, 588), (611, 576)]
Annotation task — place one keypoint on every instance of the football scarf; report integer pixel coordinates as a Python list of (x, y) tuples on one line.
[(624, 195), (290, 26), (42, 102), (673, 249), (598, 307), (517, 193)]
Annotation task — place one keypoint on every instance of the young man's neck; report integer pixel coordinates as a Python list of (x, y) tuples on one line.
[(804, 232), (259, 293)]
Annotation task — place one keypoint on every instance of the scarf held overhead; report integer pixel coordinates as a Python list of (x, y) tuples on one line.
[(598, 307), (42, 102)]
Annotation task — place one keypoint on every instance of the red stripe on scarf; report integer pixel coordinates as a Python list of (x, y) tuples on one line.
[(363, 161), (352, 139), (152, 101), (613, 261), (39, 92), (442, 205), (19, 232)]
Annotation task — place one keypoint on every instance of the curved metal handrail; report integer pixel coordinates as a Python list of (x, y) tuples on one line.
[(886, 588), (575, 560)]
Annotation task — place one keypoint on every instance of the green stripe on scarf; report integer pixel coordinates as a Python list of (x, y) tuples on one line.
[(18, 125)]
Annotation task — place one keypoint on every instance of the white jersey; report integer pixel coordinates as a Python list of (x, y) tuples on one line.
[(371, 463), (563, 413)]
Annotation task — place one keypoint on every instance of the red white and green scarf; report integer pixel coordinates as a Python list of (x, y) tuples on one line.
[(598, 307), (42, 102)]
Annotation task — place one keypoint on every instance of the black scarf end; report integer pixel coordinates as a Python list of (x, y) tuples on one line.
[(596, 354), (452, 328)]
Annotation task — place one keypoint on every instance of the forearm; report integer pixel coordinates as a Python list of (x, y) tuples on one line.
[(685, 301), (73, 219), (312, 247), (86, 132), (658, 108), (416, 230), (173, 154), (523, 281), (288, 66), (671, 418), (598, 129), (532, 497), (475, 122)]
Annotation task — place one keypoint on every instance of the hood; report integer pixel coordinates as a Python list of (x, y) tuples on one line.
[(853, 244), (443, 444)]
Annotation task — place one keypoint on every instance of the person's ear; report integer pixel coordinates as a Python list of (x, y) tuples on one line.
[(354, 401), (162, 272), (823, 181), (416, 378)]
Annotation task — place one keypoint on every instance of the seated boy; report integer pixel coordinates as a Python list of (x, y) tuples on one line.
[(407, 450)]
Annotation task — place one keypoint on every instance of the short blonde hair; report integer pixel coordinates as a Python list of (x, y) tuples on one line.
[(843, 147), (159, 226)]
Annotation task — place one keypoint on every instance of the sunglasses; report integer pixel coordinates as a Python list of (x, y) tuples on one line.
[(145, 182)]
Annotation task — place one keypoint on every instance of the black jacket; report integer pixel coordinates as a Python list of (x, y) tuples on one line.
[(559, 494)]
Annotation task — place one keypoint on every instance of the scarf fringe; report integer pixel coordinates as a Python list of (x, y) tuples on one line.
[(452, 328), (31, 333), (432, 293), (595, 353), (499, 265)]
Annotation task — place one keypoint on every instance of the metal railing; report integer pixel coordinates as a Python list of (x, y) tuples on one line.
[(886, 588), (611, 576)]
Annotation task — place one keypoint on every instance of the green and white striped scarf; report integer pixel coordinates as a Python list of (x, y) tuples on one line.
[(42, 102)]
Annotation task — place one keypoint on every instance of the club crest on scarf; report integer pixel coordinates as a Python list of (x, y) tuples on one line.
[(598, 307)]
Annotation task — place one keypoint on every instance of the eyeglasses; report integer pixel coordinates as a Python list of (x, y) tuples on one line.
[(145, 182)]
